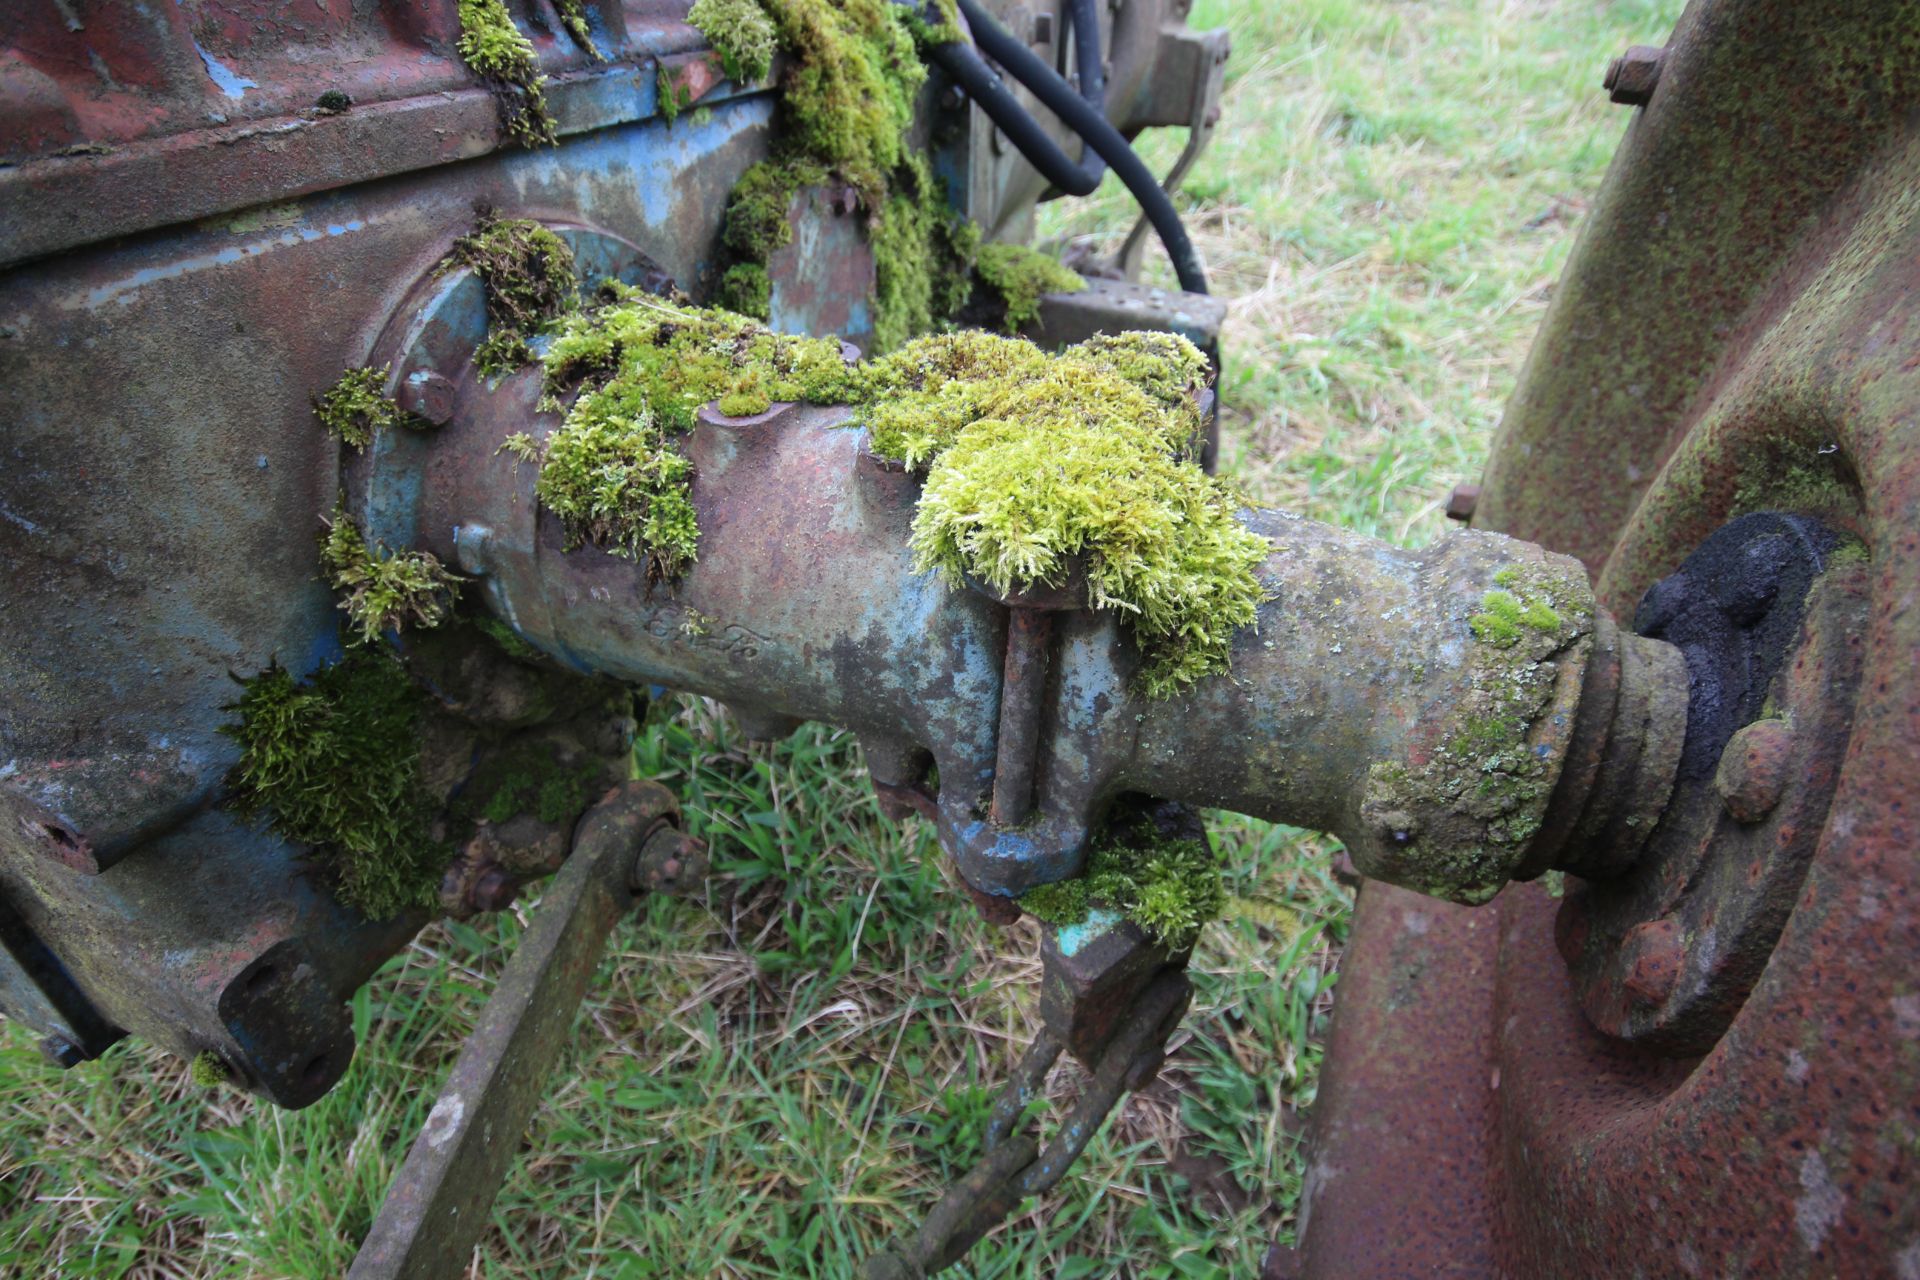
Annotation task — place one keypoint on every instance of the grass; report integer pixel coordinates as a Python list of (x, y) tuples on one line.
[(770, 1087)]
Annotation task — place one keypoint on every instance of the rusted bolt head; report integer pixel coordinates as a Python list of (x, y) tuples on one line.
[(427, 395), (671, 862), (1462, 501), (1632, 76), (1091, 978), (1652, 955), (493, 890), (1754, 769)]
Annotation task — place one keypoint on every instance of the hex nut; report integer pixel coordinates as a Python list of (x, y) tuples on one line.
[(1462, 501), (426, 395), (1632, 76)]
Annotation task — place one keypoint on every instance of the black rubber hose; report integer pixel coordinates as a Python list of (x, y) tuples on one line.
[(1083, 20), (966, 67), (963, 63)]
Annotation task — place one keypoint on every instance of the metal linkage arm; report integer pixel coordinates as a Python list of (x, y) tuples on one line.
[(438, 1203)]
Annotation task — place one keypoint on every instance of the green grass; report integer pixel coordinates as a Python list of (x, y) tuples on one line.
[(769, 1088)]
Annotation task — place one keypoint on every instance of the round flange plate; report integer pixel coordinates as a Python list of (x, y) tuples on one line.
[(1770, 614)]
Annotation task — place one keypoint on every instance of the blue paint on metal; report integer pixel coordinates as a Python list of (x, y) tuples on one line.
[(1072, 938), (645, 164), (124, 290), (235, 86)]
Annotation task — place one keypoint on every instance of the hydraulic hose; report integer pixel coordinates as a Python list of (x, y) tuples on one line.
[(970, 71)]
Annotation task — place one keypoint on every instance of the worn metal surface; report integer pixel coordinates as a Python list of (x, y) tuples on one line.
[(1364, 658), (437, 1205), (1736, 331)]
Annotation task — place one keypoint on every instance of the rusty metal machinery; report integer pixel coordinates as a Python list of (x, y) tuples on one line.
[(1697, 1011)]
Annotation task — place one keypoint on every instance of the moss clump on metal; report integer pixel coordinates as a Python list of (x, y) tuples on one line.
[(493, 49), (643, 367), (207, 1071), (335, 763), (528, 777), (741, 33), (573, 16), (382, 590), (1020, 276), (1039, 466), (357, 407), (848, 98), (530, 281), (1504, 617), (1455, 819), (1170, 888)]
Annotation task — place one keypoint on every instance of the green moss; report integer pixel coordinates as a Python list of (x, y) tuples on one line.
[(611, 471), (747, 290), (741, 33), (1455, 819), (383, 590), (1037, 464), (527, 271), (501, 352), (1020, 276), (847, 102), (573, 16), (1064, 902), (1170, 888), (507, 638), (522, 446), (493, 49), (207, 1071), (526, 778), (923, 252), (357, 407), (335, 762), (936, 22), (1503, 615), (671, 98), (848, 96)]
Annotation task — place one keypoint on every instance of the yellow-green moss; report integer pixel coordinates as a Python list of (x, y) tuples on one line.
[(746, 289), (335, 763), (1170, 888), (741, 33), (644, 366), (923, 252), (573, 16), (522, 446), (1019, 276), (493, 49), (847, 109), (1503, 615), (207, 1071), (382, 590), (357, 407), (1036, 464)]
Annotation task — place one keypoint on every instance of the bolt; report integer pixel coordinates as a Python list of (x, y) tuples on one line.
[(1754, 769), (493, 890), (1042, 28), (1653, 954), (953, 98), (1631, 77), (1462, 501), (428, 395), (61, 1052)]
